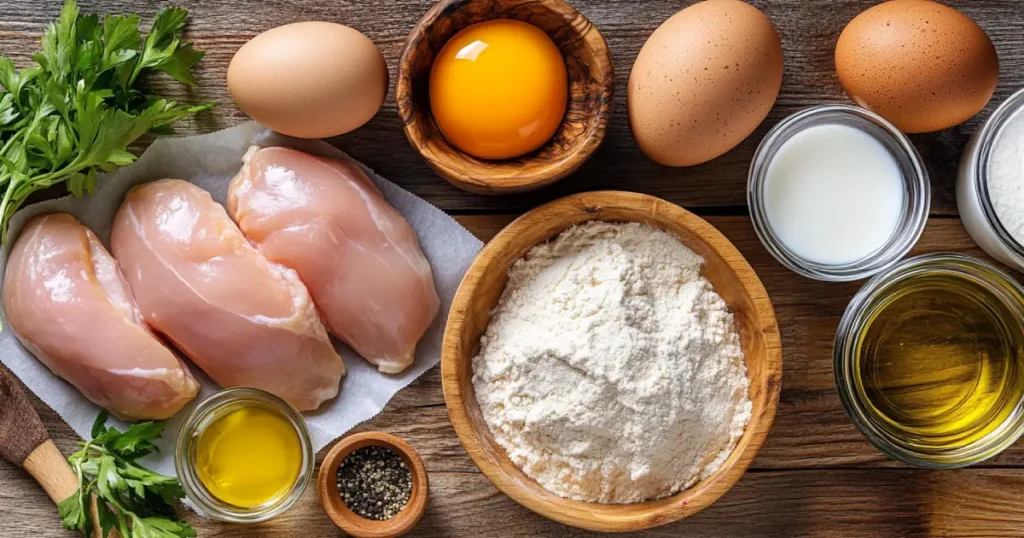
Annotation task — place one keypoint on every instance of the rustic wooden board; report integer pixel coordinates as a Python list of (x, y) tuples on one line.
[(815, 476), (809, 29)]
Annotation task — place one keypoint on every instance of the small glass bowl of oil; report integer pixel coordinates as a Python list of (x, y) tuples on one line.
[(929, 360), (244, 456)]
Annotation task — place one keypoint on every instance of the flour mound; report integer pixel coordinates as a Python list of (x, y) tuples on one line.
[(611, 371)]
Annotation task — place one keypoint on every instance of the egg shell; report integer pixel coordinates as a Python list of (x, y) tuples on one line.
[(919, 64), (703, 81), (309, 79)]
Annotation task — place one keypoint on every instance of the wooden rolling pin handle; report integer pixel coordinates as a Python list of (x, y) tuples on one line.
[(47, 465)]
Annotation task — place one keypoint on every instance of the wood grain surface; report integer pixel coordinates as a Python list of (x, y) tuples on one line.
[(808, 28), (816, 475)]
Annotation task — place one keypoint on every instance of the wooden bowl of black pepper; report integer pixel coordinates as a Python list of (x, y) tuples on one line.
[(372, 448), (591, 83)]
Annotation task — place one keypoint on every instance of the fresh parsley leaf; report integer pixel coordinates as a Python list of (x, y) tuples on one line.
[(77, 112), (8, 76), (129, 497), (87, 27), (99, 426), (136, 442), (8, 114), (162, 40), (180, 63), (120, 39), (90, 467), (107, 518), (163, 488), (108, 480), (72, 512), (156, 527)]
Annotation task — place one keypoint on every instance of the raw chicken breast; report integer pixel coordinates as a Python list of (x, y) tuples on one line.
[(67, 302), (244, 320), (356, 253)]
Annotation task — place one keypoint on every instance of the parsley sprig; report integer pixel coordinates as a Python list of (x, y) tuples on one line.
[(135, 501), (76, 112)]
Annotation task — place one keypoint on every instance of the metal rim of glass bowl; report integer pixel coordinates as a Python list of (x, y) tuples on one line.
[(916, 202), (185, 455), (865, 304), (987, 137)]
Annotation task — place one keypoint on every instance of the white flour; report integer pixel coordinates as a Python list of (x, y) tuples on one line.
[(1006, 176), (611, 370)]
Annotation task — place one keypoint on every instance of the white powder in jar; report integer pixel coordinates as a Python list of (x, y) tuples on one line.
[(611, 371), (1006, 175)]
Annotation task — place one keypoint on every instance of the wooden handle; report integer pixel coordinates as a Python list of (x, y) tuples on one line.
[(47, 465)]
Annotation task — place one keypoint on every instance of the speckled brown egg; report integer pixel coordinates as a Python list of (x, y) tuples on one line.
[(309, 79), (919, 64), (703, 81)]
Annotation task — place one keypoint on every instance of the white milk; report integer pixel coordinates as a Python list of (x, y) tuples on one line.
[(833, 194)]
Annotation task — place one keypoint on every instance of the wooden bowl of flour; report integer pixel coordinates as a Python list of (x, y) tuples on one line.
[(724, 267)]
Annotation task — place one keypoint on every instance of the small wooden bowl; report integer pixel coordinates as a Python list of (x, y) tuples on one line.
[(349, 521), (589, 66), (483, 284)]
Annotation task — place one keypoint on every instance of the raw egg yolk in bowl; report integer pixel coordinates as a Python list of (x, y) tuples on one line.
[(498, 89)]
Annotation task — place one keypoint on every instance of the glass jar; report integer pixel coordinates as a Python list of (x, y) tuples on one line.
[(916, 200), (207, 413), (909, 444), (972, 192)]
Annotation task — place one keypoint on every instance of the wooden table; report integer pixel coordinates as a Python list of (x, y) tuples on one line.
[(816, 475)]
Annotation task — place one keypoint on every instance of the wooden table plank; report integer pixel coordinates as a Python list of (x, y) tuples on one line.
[(808, 29), (785, 504)]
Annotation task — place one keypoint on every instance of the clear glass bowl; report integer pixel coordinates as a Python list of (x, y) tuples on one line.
[(205, 414), (916, 202), (864, 307), (972, 195)]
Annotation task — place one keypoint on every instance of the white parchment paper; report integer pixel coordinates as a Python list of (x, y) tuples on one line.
[(210, 161)]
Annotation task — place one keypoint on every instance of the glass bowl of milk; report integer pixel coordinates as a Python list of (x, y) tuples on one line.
[(837, 193)]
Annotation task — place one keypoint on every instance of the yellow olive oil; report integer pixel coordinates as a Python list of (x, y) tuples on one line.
[(249, 456), (938, 365)]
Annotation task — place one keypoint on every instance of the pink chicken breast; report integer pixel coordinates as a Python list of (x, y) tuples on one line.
[(359, 257), (67, 301), (242, 319)]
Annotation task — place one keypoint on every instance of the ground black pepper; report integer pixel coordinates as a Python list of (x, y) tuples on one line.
[(374, 482)]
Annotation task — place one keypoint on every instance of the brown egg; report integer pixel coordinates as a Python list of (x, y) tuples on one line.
[(703, 81), (309, 79), (919, 64)]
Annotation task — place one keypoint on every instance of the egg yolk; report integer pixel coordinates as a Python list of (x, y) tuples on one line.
[(498, 89)]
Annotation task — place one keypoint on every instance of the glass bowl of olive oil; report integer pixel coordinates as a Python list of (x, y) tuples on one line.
[(244, 456), (929, 360)]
